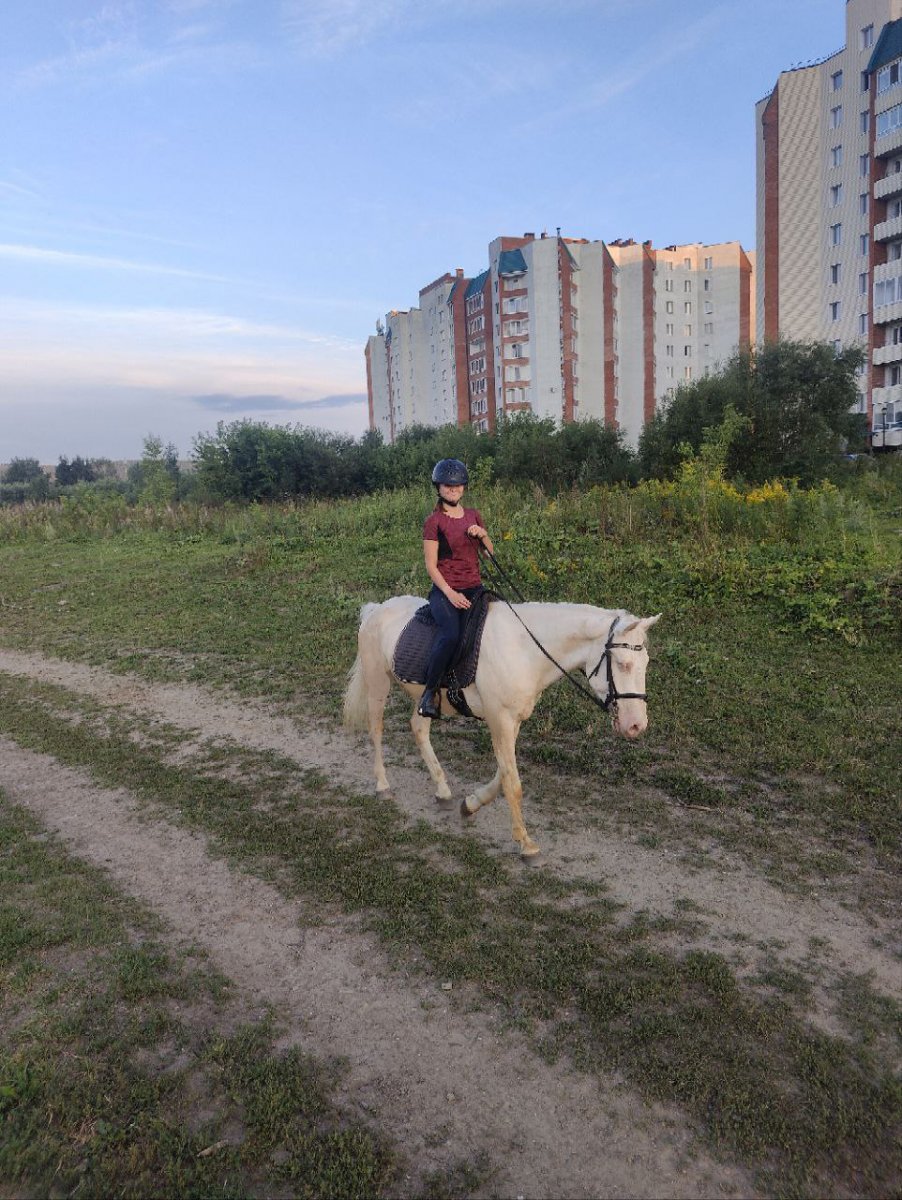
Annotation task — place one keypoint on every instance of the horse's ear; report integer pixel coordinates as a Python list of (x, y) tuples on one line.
[(642, 624)]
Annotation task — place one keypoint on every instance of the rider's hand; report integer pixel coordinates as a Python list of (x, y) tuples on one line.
[(459, 600), (476, 531)]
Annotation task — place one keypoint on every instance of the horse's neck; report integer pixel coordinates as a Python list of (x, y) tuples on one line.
[(567, 631)]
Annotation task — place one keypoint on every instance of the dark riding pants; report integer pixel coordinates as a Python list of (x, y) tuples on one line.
[(451, 623)]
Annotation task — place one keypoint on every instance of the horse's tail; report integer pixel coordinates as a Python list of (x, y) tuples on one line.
[(356, 708)]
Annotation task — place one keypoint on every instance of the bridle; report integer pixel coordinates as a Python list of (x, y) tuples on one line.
[(610, 701), (613, 695)]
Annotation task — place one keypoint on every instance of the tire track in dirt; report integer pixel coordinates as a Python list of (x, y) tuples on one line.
[(732, 899), (444, 1085)]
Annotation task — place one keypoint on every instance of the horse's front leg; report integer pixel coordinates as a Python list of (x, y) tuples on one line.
[(420, 726), (481, 796), (504, 732)]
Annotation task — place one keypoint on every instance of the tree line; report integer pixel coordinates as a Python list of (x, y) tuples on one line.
[(782, 409)]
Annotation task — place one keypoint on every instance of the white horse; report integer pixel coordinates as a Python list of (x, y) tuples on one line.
[(608, 645)]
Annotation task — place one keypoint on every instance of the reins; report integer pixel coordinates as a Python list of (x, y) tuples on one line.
[(610, 701)]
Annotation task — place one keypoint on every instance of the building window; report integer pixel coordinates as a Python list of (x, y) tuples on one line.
[(668, 350), (687, 308), (834, 310), (687, 352), (687, 372), (668, 285), (836, 156), (709, 308), (836, 117), (837, 346), (864, 243), (709, 264), (669, 330), (865, 81), (687, 285), (835, 273), (709, 327), (887, 77), (707, 285), (894, 251), (887, 291), (836, 235), (889, 120), (687, 331), (836, 80), (865, 120), (863, 323), (687, 263), (836, 194), (866, 38), (864, 164), (863, 203), (670, 306), (863, 283)]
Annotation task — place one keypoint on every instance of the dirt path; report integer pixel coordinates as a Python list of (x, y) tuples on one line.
[(446, 1086), (734, 902)]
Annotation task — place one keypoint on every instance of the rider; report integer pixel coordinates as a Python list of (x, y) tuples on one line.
[(451, 534)]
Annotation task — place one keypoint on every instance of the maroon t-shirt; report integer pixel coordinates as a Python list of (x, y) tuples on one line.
[(458, 554)]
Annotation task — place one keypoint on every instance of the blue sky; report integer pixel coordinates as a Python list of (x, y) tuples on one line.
[(206, 204)]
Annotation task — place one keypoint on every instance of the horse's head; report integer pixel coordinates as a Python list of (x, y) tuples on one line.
[(618, 675)]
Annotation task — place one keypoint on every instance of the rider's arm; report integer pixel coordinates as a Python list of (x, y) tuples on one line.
[(430, 553)]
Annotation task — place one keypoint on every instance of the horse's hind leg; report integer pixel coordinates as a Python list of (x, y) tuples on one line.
[(377, 694), (420, 726)]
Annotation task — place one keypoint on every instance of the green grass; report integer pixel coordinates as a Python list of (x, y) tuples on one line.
[(774, 690), (122, 1064), (805, 1110)]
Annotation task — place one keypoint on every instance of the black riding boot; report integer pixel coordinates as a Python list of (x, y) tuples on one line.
[(430, 704)]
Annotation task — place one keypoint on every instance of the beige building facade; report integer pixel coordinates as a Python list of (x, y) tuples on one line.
[(829, 211), (564, 328)]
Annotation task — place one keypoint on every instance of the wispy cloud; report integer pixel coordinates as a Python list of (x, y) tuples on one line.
[(16, 189), (97, 262), (227, 403), (603, 91), (326, 27)]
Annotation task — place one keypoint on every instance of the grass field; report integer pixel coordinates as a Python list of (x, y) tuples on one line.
[(774, 688)]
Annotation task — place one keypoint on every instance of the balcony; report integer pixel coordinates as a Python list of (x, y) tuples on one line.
[(885, 436), (889, 144), (882, 396), (889, 185), (887, 354), (888, 231), (887, 313)]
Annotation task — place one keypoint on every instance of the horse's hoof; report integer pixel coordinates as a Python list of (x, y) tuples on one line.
[(445, 803), (532, 858), (465, 811), (384, 794)]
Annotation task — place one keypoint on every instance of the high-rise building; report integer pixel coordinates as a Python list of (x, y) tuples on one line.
[(829, 206), (563, 328)]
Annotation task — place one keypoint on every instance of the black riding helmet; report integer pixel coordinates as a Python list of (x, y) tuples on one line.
[(451, 472)]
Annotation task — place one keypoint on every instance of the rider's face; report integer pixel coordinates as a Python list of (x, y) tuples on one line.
[(451, 492)]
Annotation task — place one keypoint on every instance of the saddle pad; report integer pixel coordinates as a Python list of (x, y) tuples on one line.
[(415, 645)]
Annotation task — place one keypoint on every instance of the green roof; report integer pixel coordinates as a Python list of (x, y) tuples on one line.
[(889, 46), (476, 285), (511, 262)]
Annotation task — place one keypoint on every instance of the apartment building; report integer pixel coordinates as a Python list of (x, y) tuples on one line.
[(829, 206), (565, 328)]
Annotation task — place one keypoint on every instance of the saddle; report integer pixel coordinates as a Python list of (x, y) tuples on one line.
[(415, 644)]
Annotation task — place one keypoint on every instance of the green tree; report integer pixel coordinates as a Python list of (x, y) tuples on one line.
[(796, 397), (158, 478), (79, 470), (23, 470)]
